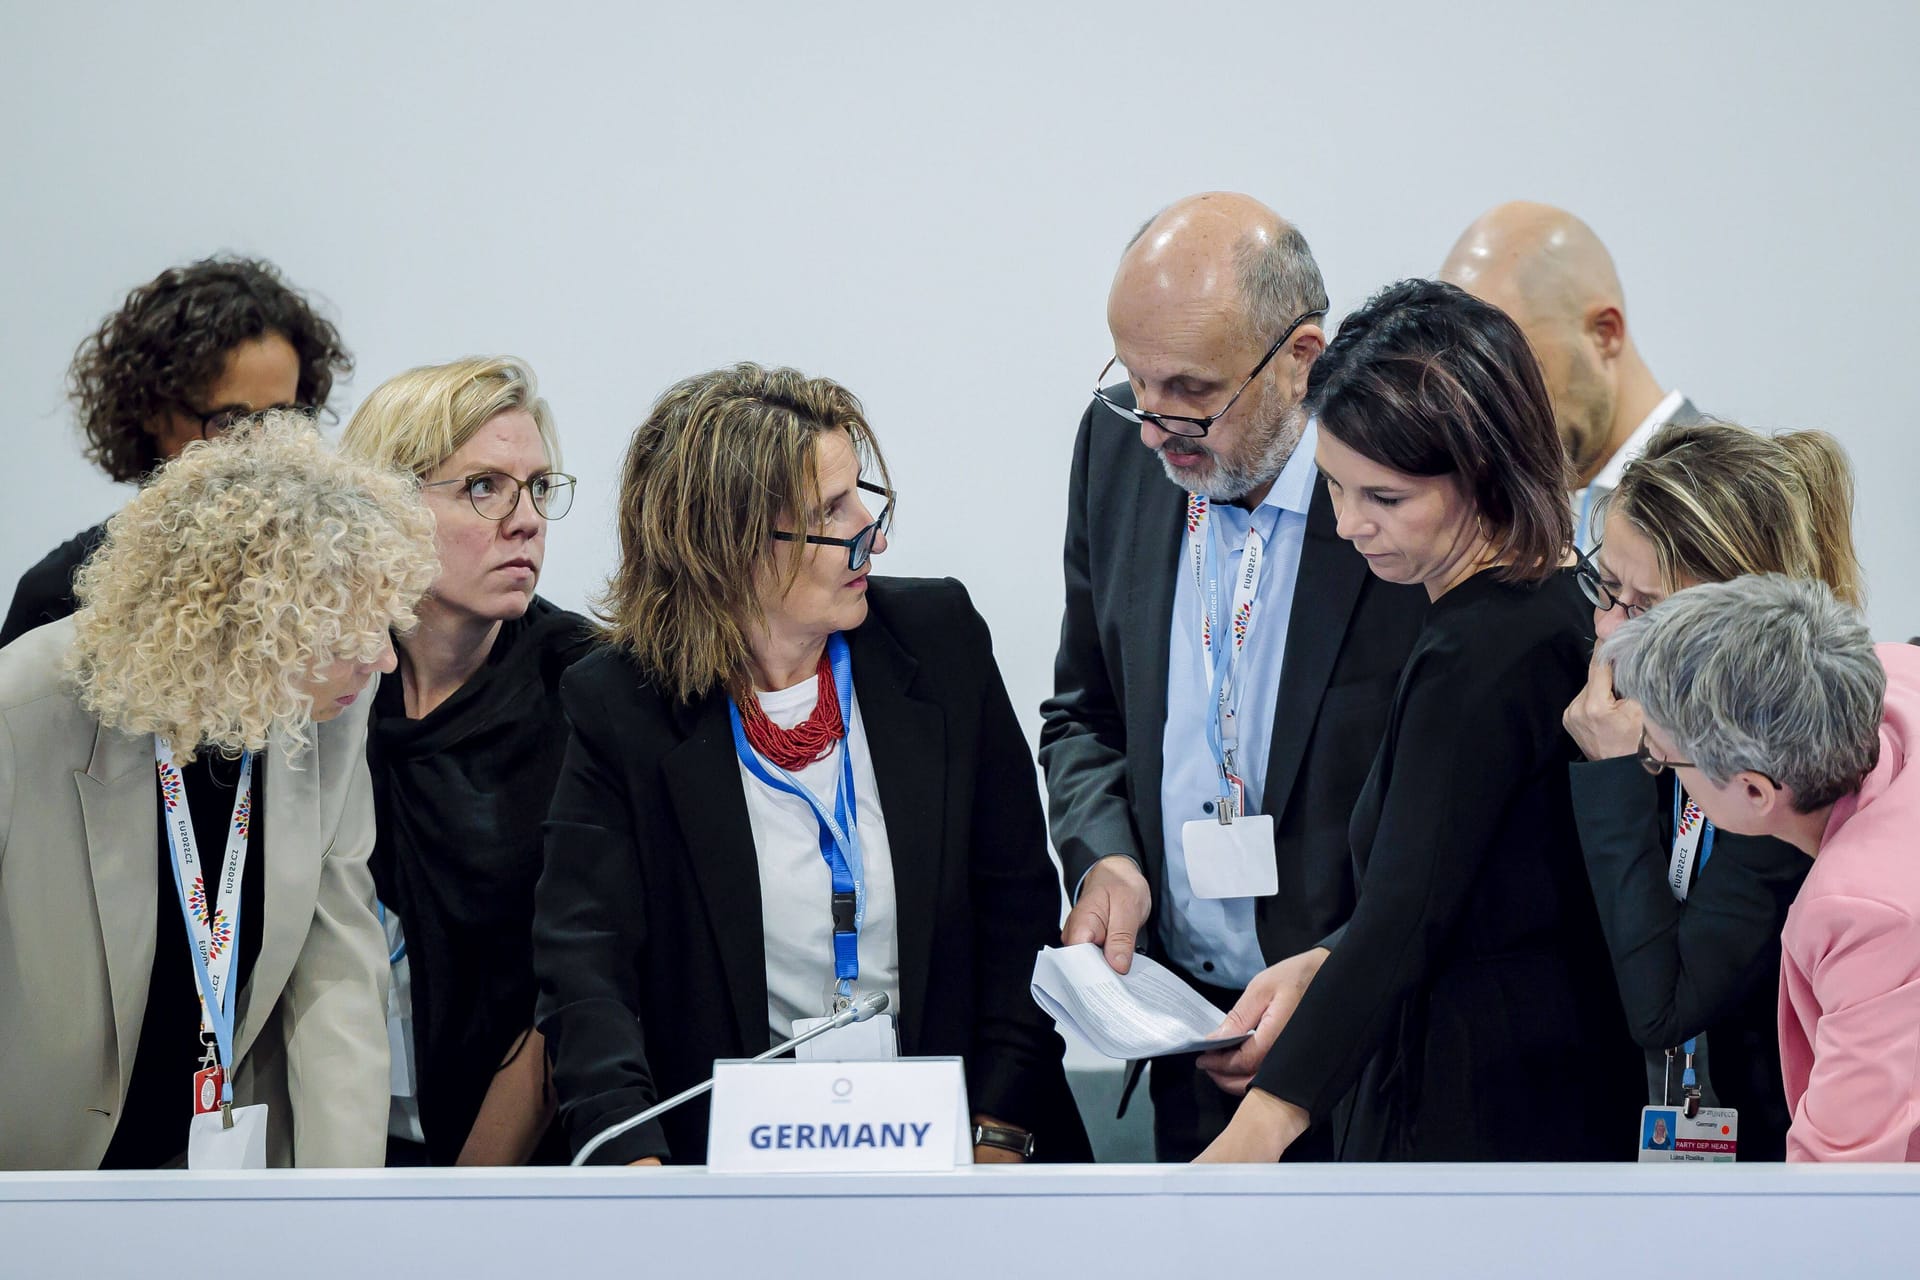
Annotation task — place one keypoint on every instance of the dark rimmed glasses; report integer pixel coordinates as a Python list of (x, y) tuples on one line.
[(1654, 764), (214, 422), (495, 495), (1180, 424), (1595, 587), (860, 545)]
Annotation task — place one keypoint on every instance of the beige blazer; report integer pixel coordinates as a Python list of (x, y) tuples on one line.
[(79, 869)]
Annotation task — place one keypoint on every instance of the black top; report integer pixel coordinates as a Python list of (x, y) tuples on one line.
[(459, 798), (647, 934), (45, 593), (1471, 998), (1101, 731), (152, 1131), (1709, 966)]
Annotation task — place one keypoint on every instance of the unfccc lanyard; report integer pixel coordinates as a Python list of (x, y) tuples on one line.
[(1203, 553), (213, 922), (839, 827), (1692, 834)]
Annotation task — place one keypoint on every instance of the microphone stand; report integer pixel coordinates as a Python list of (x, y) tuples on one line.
[(859, 1011)]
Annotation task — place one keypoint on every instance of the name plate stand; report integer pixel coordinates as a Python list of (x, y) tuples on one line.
[(907, 1115)]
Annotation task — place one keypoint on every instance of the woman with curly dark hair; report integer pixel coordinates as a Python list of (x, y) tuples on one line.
[(188, 353)]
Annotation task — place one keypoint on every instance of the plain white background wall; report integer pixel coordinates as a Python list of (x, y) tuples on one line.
[(926, 203)]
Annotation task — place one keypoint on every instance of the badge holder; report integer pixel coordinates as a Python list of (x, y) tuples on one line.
[(1231, 855)]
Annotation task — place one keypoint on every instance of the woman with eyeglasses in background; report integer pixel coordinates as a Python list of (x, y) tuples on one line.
[(466, 743), (186, 355), (1693, 915), (790, 784)]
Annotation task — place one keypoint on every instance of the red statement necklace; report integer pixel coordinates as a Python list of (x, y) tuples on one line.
[(808, 742)]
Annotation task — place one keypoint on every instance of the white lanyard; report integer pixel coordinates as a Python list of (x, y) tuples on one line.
[(213, 920), (1204, 555), (1689, 826)]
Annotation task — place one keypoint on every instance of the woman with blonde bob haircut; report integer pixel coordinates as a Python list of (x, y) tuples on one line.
[(187, 817), (790, 786), (1693, 914), (466, 743)]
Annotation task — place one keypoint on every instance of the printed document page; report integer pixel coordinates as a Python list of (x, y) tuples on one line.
[(1147, 1012)]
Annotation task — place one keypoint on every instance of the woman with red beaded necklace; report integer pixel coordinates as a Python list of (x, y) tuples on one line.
[(789, 783)]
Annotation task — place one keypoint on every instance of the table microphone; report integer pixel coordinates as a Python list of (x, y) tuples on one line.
[(859, 1011)]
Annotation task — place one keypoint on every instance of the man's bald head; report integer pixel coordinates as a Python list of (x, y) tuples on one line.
[(1224, 253), (1534, 261), (1203, 295), (1546, 269)]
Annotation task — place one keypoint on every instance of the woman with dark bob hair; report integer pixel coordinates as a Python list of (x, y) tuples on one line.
[(789, 784), (1467, 1011), (186, 355)]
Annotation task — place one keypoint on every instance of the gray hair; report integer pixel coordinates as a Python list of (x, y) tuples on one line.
[(1278, 278), (1764, 673)]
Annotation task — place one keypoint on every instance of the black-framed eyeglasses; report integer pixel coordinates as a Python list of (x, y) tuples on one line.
[(1654, 764), (1595, 587), (860, 545), (213, 422), (1180, 424), (495, 495)]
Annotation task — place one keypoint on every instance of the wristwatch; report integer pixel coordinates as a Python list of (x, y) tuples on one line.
[(1018, 1141)]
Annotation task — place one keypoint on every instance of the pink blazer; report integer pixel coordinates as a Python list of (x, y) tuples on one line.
[(1850, 958)]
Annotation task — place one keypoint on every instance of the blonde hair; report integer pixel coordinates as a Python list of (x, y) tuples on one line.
[(246, 566), (1719, 501), (418, 419), (721, 461)]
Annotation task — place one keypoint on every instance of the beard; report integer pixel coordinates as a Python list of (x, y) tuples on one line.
[(1585, 420), (1231, 475)]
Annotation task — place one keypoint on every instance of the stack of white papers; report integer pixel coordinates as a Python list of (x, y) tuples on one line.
[(1144, 1013)]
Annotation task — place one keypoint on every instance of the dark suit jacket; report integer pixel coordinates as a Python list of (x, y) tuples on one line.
[(647, 923), (1710, 965), (1100, 739), (45, 593)]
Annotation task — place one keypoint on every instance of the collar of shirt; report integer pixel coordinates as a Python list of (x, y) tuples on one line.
[(1292, 491), (1609, 477)]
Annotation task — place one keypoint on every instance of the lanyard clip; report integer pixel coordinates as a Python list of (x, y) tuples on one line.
[(844, 912), (226, 1115)]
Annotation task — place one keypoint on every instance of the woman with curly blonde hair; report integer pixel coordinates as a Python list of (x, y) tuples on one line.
[(185, 820)]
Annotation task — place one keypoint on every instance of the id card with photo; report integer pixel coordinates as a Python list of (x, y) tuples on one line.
[(1669, 1135)]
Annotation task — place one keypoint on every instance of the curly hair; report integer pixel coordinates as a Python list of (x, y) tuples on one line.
[(722, 460), (244, 568), (169, 342)]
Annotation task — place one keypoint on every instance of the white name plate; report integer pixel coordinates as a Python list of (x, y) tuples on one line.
[(907, 1115)]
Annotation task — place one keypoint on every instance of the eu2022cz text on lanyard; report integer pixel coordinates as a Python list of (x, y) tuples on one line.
[(1231, 856)]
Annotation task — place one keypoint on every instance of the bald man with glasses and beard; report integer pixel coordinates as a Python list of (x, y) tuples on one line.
[(1200, 544)]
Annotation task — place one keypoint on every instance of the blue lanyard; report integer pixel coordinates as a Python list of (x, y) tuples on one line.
[(839, 827), (1687, 1077), (219, 1009)]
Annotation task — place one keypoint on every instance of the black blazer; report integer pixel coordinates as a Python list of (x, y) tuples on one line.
[(1471, 998), (1100, 738), (45, 593), (1710, 965), (647, 934)]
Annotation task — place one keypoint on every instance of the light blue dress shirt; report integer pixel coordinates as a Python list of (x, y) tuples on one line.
[(1213, 938)]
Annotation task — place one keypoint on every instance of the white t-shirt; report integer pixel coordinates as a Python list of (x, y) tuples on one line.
[(796, 886)]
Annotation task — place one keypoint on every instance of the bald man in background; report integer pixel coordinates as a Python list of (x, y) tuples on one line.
[(1216, 314), (1546, 269)]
